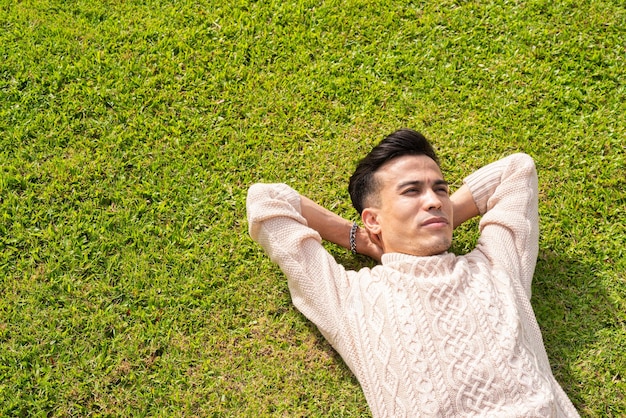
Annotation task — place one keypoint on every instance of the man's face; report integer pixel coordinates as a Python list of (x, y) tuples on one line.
[(414, 212)]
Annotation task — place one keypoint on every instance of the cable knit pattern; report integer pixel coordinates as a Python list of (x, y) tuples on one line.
[(438, 336)]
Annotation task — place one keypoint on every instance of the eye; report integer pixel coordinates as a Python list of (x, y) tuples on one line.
[(412, 190), (442, 190)]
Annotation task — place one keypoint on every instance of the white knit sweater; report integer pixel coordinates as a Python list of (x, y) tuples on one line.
[(437, 336)]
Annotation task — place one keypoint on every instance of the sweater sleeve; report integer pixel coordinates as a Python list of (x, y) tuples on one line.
[(316, 281), (505, 193)]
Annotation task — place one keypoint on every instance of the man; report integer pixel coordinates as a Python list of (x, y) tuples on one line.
[(426, 333)]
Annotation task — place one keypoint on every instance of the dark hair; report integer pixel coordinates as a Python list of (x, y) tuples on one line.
[(400, 143)]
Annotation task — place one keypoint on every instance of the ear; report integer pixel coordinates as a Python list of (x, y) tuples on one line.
[(370, 219)]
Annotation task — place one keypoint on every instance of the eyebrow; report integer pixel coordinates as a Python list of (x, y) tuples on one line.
[(420, 183)]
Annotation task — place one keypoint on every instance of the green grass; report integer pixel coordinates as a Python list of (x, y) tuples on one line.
[(130, 131)]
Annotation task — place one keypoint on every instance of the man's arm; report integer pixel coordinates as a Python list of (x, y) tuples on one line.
[(317, 283), (505, 193), (336, 229), (464, 206)]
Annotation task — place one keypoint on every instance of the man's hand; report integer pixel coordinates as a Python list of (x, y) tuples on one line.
[(368, 244)]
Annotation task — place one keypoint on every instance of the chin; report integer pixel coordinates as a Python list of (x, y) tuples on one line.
[(430, 250), (425, 247), (441, 246)]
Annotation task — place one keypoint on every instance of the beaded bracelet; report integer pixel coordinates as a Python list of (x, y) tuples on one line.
[(353, 238)]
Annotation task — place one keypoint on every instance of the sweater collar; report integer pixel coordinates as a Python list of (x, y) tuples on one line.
[(405, 263)]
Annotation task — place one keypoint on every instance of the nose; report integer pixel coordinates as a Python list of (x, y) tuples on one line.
[(432, 200)]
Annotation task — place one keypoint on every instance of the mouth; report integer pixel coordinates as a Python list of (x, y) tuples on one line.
[(435, 222)]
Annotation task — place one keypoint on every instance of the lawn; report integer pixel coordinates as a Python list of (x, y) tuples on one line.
[(131, 130)]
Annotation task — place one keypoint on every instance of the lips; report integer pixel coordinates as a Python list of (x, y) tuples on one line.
[(435, 221)]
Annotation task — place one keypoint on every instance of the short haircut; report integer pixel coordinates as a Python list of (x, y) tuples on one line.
[(363, 185)]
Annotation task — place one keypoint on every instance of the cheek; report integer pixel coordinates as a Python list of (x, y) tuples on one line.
[(403, 211)]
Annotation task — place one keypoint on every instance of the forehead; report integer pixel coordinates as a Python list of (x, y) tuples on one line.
[(409, 168)]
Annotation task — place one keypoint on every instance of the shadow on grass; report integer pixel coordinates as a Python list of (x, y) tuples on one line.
[(573, 309)]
